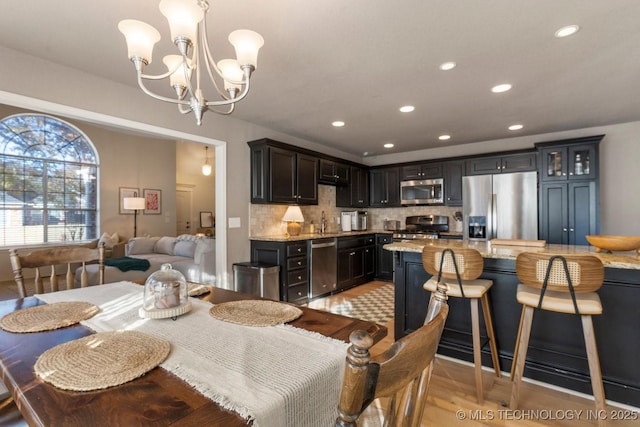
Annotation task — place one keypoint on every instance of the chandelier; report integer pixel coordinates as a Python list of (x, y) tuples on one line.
[(187, 22)]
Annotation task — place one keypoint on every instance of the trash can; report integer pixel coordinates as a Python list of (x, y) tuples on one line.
[(257, 279)]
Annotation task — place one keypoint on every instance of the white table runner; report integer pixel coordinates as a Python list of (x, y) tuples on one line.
[(277, 375)]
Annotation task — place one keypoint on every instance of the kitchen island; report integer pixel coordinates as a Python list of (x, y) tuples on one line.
[(556, 349)]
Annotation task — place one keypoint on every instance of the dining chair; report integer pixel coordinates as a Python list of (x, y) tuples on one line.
[(460, 271), (10, 416), (402, 372), (54, 262), (561, 284)]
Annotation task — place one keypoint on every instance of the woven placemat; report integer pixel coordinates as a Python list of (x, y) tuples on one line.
[(101, 360), (48, 316), (255, 312)]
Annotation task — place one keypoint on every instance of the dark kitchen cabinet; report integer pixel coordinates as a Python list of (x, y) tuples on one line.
[(569, 193), (384, 258), (421, 171), (333, 173), (356, 193), (521, 162), (384, 187), (568, 212), (280, 175), (292, 257), (453, 173), (569, 160), (356, 261)]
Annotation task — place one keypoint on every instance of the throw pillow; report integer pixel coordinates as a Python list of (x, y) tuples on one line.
[(109, 240), (185, 248), (141, 245), (165, 245)]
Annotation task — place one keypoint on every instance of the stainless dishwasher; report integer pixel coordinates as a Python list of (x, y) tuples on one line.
[(323, 266)]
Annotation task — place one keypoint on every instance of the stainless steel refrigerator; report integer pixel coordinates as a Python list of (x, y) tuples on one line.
[(503, 206)]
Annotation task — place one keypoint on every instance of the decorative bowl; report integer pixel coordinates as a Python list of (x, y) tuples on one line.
[(615, 243)]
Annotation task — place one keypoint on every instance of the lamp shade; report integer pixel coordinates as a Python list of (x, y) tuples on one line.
[(183, 17), (180, 75), (141, 38), (247, 43), (135, 203), (231, 72), (293, 213)]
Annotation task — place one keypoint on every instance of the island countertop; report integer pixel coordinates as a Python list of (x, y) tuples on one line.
[(623, 260)]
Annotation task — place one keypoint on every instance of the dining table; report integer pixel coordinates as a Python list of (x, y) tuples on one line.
[(159, 397)]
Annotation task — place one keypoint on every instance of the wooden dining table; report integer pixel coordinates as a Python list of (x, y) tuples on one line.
[(158, 398)]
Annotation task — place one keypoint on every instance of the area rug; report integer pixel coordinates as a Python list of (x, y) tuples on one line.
[(374, 306)]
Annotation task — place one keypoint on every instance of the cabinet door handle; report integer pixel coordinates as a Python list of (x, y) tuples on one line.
[(352, 253), (299, 277), (299, 262), (571, 230), (299, 293), (299, 249), (564, 229)]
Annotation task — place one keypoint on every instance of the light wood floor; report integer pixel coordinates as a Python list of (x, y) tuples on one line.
[(452, 402)]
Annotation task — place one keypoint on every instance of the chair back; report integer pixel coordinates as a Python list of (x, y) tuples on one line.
[(49, 263), (586, 272), (469, 262), (402, 372)]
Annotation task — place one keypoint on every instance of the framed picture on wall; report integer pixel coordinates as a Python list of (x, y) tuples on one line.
[(127, 192), (153, 201), (206, 219)]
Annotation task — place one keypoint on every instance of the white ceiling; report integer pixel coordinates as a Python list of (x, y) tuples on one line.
[(360, 60)]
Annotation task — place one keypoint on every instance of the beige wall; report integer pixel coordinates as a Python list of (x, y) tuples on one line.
[(75, 93)]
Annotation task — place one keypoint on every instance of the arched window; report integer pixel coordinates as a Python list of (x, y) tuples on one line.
[(48, 181)]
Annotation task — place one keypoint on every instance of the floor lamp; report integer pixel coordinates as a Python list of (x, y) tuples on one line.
[(135, 203)]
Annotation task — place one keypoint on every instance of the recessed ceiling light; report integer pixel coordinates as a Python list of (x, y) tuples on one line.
[(501, 88), (567, 31), (338, 124), (388, 145), (446, 66), (444, 137), (407, 108), (516, 127)]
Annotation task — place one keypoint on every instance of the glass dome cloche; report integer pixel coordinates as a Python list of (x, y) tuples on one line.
[(165, 294)]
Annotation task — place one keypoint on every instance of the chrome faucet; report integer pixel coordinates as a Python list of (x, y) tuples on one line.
[(323, 224)]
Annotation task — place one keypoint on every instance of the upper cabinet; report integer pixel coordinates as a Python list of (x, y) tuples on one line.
[(356, 193), (384, 187), (453, 173), (279, 175), (575, 159), (421, 171), (333, 173), (569, 190), (521, 162)]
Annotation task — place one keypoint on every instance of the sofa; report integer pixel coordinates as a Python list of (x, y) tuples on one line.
[(193, 256)]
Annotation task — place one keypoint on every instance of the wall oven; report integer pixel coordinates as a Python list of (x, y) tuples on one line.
[(422, 192)]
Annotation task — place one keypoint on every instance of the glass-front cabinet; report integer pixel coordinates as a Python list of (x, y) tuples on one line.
[(569, 162)]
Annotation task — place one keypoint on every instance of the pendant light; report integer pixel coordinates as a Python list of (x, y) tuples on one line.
[(206, 168)]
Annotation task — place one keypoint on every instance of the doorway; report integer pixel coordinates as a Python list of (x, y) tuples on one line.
[(184, 203)]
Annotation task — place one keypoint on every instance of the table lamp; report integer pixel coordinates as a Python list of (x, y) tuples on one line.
[(293, 217)]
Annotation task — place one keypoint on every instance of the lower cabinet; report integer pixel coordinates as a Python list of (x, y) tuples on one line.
[(568, 212), (292, 257), (356, 261), (384, 258)]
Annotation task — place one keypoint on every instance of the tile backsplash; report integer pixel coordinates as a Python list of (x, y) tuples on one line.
[(266, 220)]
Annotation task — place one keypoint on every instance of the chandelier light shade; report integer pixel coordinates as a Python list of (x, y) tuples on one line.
[(293, 217), (206, 168), (187, 23)]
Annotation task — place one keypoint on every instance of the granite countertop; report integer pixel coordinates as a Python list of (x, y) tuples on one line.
[(309, 236), (625, 260)]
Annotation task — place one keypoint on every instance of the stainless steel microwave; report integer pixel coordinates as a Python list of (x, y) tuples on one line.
[(422, 192)]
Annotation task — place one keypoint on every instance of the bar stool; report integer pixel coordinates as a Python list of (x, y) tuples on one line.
[(563, 284), (460, 271)]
